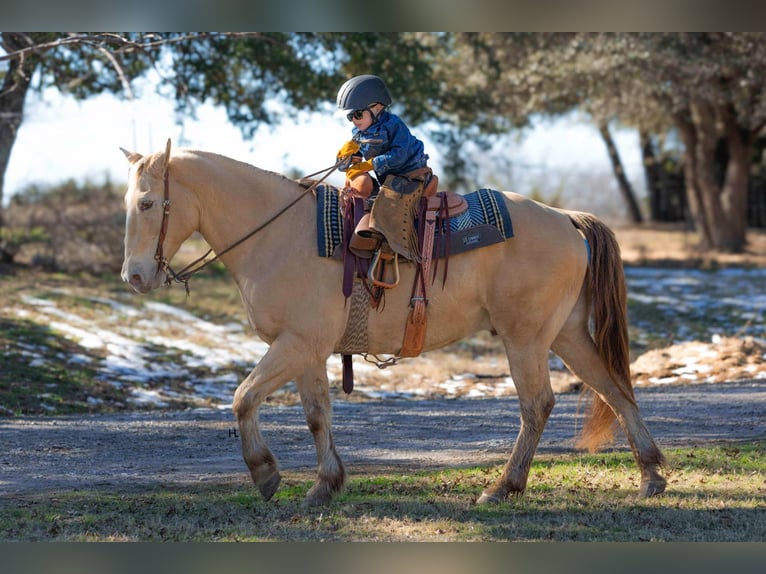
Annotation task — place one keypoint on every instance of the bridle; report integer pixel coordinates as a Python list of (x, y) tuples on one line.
[(159, 256), (200, 263)]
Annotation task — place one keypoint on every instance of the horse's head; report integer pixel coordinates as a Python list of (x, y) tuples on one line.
[(156, 221)]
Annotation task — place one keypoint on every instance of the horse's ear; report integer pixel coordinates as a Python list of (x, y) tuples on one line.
[(132, 156), (166, 159)]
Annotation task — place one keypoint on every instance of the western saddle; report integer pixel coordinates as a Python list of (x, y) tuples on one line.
[(380, 231)]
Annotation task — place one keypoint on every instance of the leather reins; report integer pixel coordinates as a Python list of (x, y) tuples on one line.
[(200, 263)]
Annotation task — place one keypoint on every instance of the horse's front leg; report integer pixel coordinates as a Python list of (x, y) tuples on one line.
[(315, 396), (285, 360)]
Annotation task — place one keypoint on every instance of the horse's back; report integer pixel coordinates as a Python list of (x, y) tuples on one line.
[(527, 213), (544, 237)]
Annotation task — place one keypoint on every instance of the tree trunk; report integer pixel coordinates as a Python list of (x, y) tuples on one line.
[(652, 175), (735, 184), (622, 181), (693, 193), (664, 182), (719, 210), (12, 95)]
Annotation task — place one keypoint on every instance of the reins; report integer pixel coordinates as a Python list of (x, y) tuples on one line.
[(185, 274)]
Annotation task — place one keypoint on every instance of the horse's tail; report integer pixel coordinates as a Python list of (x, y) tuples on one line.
[(610, 323)]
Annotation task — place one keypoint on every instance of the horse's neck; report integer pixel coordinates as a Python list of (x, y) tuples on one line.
[(235, 198)]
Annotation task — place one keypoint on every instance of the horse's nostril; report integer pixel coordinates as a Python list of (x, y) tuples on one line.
[(135, 278)]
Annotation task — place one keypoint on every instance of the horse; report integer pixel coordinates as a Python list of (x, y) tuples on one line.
[(537, 291)]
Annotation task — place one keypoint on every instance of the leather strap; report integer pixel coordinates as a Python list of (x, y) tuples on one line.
[(348, 374), (415, 328), (352, 213)]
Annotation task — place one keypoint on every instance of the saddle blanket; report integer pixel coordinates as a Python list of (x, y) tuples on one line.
[(486, 222)]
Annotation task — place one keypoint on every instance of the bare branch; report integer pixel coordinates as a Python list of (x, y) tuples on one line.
[(120, 72), (73, 39), (123, 43)]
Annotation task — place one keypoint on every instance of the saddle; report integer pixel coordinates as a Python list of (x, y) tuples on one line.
[(366, 241), (373, 250), (447, 224), (386, 230)]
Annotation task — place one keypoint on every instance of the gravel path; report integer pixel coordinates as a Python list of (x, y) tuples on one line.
[(128, 451)]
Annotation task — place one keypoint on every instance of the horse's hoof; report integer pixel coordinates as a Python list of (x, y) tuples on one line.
[(269, 487), (319, 495), (489, 499), (652, 487)]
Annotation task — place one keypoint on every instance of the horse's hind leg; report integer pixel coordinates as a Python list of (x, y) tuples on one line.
[(314, 391), (529, 368), (576, 348), (284, 361)]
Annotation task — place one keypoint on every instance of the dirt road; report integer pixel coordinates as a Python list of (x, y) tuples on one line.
[(129, 451)]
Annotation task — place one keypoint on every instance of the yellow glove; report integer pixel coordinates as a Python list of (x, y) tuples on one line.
[(349, 148), (358, 169)]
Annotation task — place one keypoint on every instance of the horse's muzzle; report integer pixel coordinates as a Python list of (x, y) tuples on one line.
[(139, 280)]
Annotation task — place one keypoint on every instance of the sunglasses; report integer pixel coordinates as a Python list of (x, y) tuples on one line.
[(356, 114)]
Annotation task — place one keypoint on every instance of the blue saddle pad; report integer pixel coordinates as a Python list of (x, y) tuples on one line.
[(486, 212)]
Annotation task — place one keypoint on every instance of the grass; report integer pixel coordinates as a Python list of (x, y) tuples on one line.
[(41, 372), (53, 384), (715, 494)]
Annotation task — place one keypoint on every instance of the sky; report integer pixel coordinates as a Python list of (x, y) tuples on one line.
[(62, 139)]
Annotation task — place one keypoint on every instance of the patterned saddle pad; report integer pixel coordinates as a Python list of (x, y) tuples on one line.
[(486, 222)]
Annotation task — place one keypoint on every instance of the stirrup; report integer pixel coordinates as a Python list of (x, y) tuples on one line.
[(375, 264)]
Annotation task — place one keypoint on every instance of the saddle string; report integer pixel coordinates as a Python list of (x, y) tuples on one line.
[(200, 263), (380, 363)]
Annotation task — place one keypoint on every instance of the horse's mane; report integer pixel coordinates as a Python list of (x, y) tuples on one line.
[(233, 164)]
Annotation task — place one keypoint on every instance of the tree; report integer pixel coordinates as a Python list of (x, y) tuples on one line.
[(243, 72), (15, 84), (721, 76), (239, 71), (79, 64), (664, 179), (709, 87)]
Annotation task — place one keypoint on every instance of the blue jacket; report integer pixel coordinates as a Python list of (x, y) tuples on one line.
[(394, 151)]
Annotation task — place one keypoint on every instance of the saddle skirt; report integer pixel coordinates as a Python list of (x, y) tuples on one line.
[(485, 222)]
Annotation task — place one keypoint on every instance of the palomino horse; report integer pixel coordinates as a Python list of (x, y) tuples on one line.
[(536, 291)]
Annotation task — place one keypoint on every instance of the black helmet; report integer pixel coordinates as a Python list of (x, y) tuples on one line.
[(362, 91)]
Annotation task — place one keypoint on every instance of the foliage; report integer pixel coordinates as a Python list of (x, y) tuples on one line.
[(246, 74), (644, 79), (709, 87)]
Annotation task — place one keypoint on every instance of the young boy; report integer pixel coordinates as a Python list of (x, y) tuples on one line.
[(383, 144)]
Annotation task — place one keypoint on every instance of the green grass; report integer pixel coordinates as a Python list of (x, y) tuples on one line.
[(714, 494), (31, 384)]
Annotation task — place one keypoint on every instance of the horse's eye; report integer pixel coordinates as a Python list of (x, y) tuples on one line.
[(145, 204)]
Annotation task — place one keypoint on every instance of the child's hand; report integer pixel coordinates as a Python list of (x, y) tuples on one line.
[(358, 169), (349, 148)]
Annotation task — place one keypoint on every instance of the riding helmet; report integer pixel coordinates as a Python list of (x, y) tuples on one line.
[(362, 91)]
